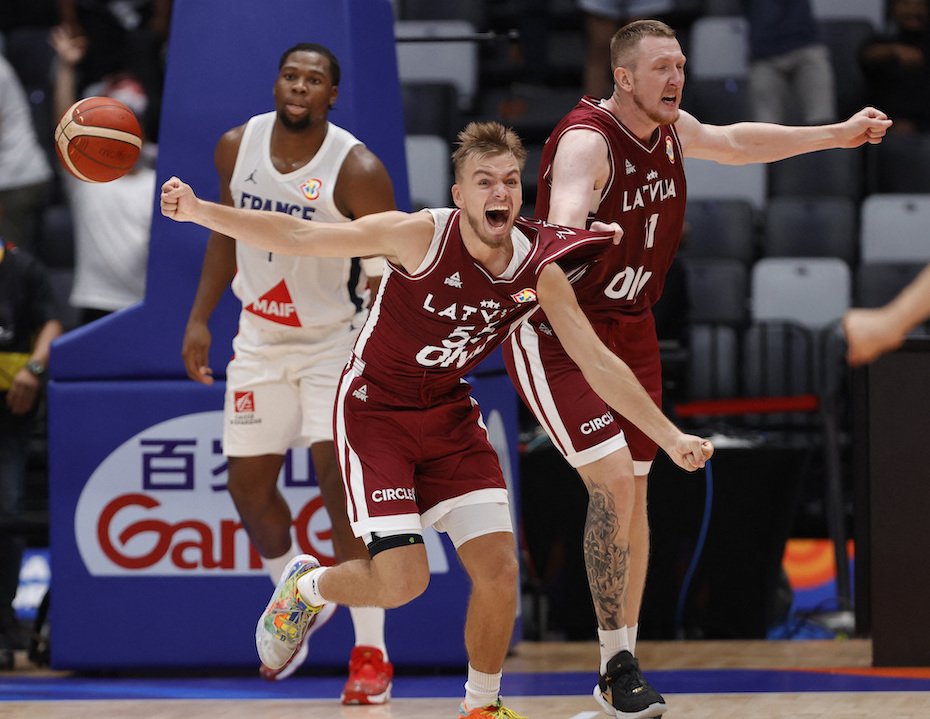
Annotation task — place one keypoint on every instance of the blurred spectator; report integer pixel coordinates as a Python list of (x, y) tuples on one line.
[(122, 36), (896, 67), (28, 324), (25, 173), (112, 219), (790, 75)]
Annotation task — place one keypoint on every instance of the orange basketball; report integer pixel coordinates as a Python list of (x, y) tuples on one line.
[(98, 139)]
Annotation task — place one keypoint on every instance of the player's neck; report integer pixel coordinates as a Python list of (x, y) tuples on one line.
[(633, 119), (494, 254), (291, 149)]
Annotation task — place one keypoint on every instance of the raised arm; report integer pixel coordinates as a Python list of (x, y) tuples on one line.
[(748, 142), (403, 238), (609, 376)]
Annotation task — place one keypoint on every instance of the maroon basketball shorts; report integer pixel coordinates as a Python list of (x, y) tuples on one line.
[(406, 467), (580, 424)]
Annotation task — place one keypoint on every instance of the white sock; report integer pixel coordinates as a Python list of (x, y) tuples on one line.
[(612, 642), (275, 565), (631, 633), (309, 587), (369, 627), (481, 690)]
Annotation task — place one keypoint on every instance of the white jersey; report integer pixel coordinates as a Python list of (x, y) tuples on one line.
[(280, 291)]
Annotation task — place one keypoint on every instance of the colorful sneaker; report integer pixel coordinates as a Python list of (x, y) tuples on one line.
[(283, 625), (492, 711), (276, 675), (370, 677), (624, 693)]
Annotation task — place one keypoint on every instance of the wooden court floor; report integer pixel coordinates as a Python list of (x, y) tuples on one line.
[(761, 673)]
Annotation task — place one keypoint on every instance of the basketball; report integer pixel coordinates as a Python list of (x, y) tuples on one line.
[(98, 139)]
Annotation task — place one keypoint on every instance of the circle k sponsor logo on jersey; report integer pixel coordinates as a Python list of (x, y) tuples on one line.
[(392, 494), (593, 425), (158, 505)]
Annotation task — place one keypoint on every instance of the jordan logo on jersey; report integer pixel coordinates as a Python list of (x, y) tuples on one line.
[(454, 280), (361, 393), (277, 306)]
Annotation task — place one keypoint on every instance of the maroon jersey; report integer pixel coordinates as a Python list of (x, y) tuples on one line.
[(429, 328), (645, 194)]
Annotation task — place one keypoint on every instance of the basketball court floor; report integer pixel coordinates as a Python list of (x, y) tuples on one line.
[(818, 679)]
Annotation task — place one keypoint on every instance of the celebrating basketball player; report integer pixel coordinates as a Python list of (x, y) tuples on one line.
[(289, 360), (412, 447), (621, 160)]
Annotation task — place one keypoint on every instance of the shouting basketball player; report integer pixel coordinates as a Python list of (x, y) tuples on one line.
[(412, 447), (620, 159)]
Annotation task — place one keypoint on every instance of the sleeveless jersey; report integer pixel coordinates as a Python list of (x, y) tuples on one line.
[(280, 291), (645, 193), (429, 328)]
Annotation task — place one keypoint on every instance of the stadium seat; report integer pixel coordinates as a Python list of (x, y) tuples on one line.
[(439, 51), (718, 100), (893, 228), (811, 227), (900, 164), (811, 292), (710, 180), (717, 291), (722, 228), (838, 172), (719, 47), (871, 11), (429, 171)]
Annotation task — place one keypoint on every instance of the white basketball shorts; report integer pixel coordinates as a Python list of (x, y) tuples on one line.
[(281, 388)]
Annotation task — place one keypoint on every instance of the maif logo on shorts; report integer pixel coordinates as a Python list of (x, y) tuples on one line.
[(244, 402)]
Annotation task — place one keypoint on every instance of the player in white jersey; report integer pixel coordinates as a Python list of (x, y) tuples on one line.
[(412, 447), (300, 317)]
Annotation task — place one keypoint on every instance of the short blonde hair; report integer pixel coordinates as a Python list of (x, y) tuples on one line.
[(626, 39), (480, 139)]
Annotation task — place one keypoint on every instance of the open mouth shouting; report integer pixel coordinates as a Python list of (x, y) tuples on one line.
[(497, 217)]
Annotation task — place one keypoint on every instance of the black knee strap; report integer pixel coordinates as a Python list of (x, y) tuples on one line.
[(379, 544)]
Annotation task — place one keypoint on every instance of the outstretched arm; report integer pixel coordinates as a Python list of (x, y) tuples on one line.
[(399, 236), (871, 333), (609, 376), (749, 142)]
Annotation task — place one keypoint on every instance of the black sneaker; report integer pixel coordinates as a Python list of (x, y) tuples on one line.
[(624, 692)]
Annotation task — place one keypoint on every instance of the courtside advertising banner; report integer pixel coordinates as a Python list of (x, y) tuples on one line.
[(145, 537)]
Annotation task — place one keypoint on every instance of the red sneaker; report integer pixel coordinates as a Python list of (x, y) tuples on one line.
[(370, 677)]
